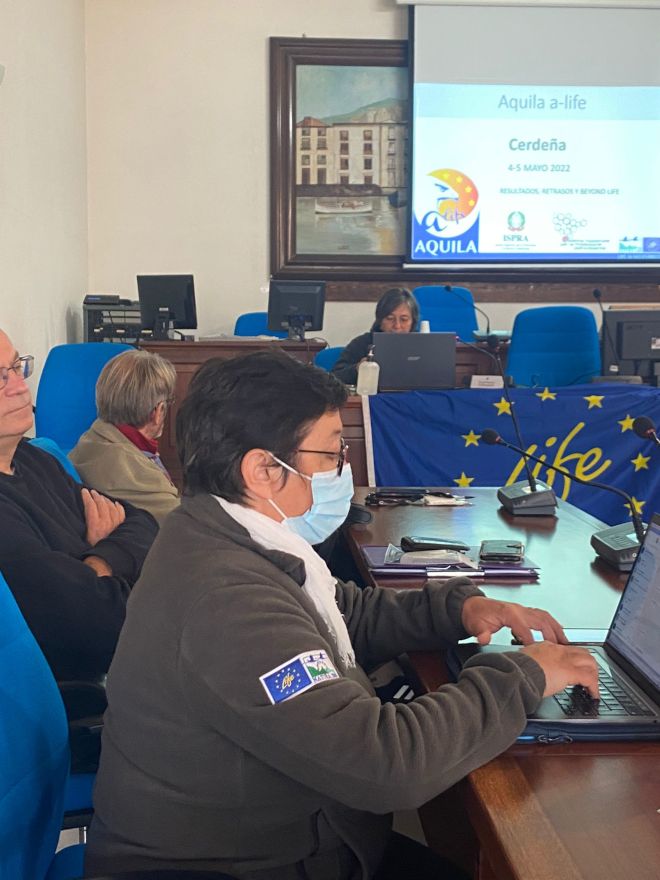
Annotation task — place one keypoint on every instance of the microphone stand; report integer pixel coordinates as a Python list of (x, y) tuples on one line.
[(614, 543), (525, 497)]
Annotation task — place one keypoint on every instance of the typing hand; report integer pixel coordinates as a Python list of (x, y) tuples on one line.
[(565, 666), (482, 617), (101, 515)]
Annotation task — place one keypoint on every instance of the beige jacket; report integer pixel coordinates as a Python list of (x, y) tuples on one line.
[(110, 463)]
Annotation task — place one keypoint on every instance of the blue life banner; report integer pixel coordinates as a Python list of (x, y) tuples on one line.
[(432, 438)]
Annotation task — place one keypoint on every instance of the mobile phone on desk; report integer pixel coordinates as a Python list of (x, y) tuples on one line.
[(410, 543), (502, 551)]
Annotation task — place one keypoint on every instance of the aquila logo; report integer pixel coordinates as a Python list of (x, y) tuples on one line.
[(445, 203)]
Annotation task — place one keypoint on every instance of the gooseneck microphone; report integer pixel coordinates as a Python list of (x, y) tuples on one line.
[(612, 543), (528, 498), (644, 428), (455, 293), (616, 366)]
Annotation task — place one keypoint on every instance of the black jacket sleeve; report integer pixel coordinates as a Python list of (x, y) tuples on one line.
[(346, 366), (75, 615)]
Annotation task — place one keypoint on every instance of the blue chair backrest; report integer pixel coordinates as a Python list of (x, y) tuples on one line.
[(51, 447), (327, 358), (554, 345), (255, 324), (66, 397), (34, 750), (447, 311)]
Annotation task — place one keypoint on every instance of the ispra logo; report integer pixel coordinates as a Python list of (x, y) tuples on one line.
[(446, 221)]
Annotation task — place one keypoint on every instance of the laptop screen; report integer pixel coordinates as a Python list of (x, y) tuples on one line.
[(635, 630), (412, 361)]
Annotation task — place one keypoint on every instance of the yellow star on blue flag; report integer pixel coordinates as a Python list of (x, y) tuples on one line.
[(641, 461), (637, 504), (626, 424), (471, 439), (595, 400), (546, 394), (463, 481), (503, 407)]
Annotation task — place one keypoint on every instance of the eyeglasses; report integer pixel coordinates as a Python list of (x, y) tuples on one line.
[(341, 455), (21, 368)]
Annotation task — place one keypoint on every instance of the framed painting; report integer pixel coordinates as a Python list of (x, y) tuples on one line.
[(339, 157)]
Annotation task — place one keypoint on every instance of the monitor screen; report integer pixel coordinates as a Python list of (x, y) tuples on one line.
[(174, 293), (526, 157), (635, 630), (296, 306)]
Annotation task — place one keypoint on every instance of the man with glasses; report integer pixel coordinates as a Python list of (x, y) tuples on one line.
[(69, 554), (242, 733)]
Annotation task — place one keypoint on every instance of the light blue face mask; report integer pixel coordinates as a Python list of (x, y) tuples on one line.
[(331, 500)]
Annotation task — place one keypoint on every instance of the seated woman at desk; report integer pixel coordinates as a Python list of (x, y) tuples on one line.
[(243, 734), (397, 311)]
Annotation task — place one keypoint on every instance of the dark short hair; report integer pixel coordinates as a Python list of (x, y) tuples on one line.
[(392, 299), (266, 400)]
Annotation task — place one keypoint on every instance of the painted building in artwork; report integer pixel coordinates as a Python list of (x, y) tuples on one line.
[(369, 148)]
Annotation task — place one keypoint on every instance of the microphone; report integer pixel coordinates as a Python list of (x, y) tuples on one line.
[(644, 428), (455, 293), (607, 333), (528, 498), (613, 543)]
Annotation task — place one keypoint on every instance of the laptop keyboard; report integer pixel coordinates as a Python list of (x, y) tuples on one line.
[(615, 700)]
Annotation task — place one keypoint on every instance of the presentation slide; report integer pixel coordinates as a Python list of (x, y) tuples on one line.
[(539, 174), (535, 133)]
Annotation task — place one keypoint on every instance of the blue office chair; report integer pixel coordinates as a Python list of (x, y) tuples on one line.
[(34, 761), (328, 357), (255, 324), (51, 447), (449, 311), (554, 346), (66, 397)]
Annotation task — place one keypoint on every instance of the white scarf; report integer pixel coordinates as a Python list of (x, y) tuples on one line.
[(320, 585)]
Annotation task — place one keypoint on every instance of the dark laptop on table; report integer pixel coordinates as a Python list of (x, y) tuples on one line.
[(628, 665), (415, 361)]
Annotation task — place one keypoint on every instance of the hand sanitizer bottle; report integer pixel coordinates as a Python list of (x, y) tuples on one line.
[(368, 371)]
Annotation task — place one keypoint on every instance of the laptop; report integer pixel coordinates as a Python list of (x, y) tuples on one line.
[(415, 361), (628, 667)]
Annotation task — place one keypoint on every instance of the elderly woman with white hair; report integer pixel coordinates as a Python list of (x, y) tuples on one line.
[(118, 455)]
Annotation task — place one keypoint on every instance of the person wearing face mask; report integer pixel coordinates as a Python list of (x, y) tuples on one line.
[(397, 311), (119, 453), (243, 734)]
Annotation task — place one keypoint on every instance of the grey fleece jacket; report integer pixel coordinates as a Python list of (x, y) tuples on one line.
[(200, 770)]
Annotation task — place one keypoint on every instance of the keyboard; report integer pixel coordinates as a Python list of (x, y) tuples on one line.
[(615, 700)]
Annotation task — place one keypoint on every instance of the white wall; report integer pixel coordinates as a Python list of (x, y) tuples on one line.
[(177, 111), (43, 199)]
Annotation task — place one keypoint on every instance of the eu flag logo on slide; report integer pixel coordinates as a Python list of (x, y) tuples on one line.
[(297, 675)]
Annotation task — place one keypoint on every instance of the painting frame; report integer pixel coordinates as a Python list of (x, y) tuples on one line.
[(286, 54)]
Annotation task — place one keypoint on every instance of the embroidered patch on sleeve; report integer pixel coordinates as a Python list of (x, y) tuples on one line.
[(297, 675)]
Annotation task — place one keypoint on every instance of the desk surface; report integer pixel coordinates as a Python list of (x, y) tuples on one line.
[(576, 812)]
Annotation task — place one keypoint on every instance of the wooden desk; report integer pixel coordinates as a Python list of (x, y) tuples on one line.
[(187, 357), (572, 812)]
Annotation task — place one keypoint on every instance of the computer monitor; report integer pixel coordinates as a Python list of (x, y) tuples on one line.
[(296, 306), (167, 303), (631, 343)]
